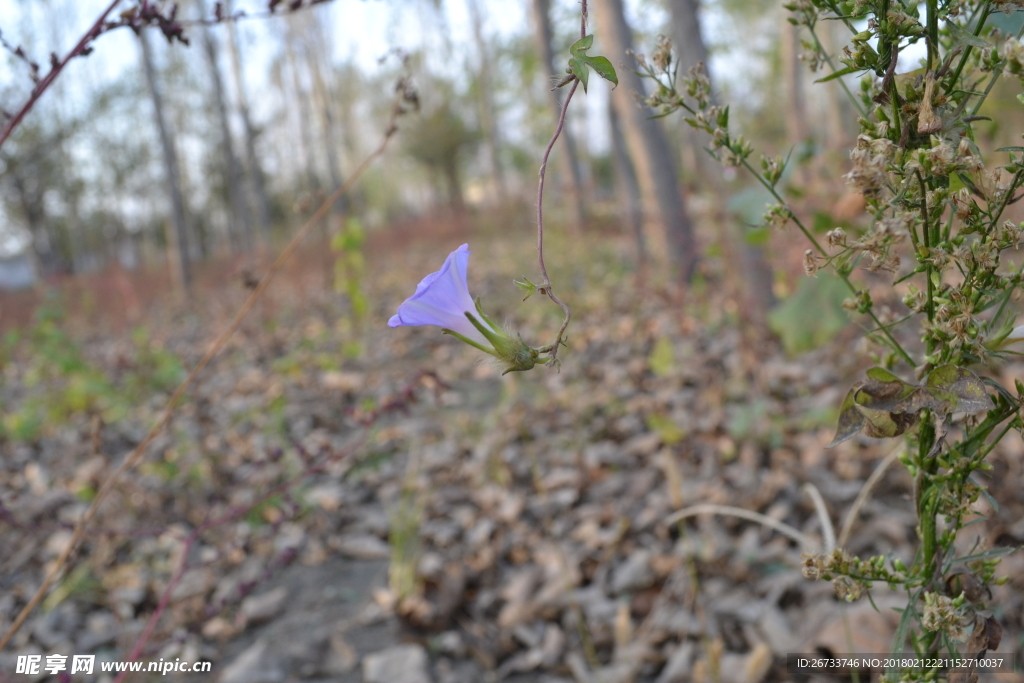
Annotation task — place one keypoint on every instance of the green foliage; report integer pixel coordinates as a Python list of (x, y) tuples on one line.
[(886, 406), (81, 584), (404, 540), (666, 428), (439, 140), (812, 316), (661, 359), (350, 267), (580, 63), (934, 198), (62, 382)]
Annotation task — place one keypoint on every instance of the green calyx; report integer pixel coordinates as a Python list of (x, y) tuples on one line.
[(513, 353)]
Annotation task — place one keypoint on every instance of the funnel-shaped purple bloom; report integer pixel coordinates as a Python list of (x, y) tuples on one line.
[(443, 299)]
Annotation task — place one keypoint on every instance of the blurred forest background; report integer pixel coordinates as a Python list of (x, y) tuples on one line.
[(517, 526), (149, 154)]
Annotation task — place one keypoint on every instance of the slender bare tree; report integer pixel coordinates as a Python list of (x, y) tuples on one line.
[(239, 222), (177, 233), (691, 50), (254, 170), (630, 209), (647, 141), (309, 35)]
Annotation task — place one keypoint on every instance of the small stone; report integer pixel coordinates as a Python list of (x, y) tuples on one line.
[(643, 444), (677, 668), (56, 627), (218, 628), (343, 381), (124, 601), (363, 547), (328, 496), (451, 643), (553, 645), (256, 609), (249, 667), (602, 453), (633, 574), (399, 664), (341, 656), (194, 582), (100, 629), (58, 542), (559, 477)]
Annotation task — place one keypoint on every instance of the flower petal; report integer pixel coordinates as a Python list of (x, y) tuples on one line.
[(443, 299), (420, 313)]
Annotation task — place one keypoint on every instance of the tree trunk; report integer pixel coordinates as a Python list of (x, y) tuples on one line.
[(688, 38), (41, 246), (626, 187), (239, 232), (647, 142), (485, 100), (254, 169), (316, 52), (456, 202), (178, 229), (301, 97), (572, 175), (690, 49)]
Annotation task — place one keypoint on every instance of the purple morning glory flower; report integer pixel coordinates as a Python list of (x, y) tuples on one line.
[(443, 299)]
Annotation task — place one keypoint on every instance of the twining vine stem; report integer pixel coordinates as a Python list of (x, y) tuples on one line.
[(545, 286)]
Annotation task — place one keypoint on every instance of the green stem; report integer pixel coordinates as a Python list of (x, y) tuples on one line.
[(981, 432), (845, 278), (828, 60), (469, 341), (490, 334), (928, 522), (988, 449), (929, 269), (835, 10), (894, 97), (1006, 198), (967, 51), (1005, 298), (928, 498), (933, 33), (988, 89)]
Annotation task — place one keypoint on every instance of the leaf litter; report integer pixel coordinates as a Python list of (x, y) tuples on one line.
[(515, 528)]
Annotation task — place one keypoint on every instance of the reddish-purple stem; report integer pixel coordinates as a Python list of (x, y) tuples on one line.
[(54, 72), (95, 31), (545, 287)]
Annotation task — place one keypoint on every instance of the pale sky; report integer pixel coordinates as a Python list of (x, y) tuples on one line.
[(362, 31)]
